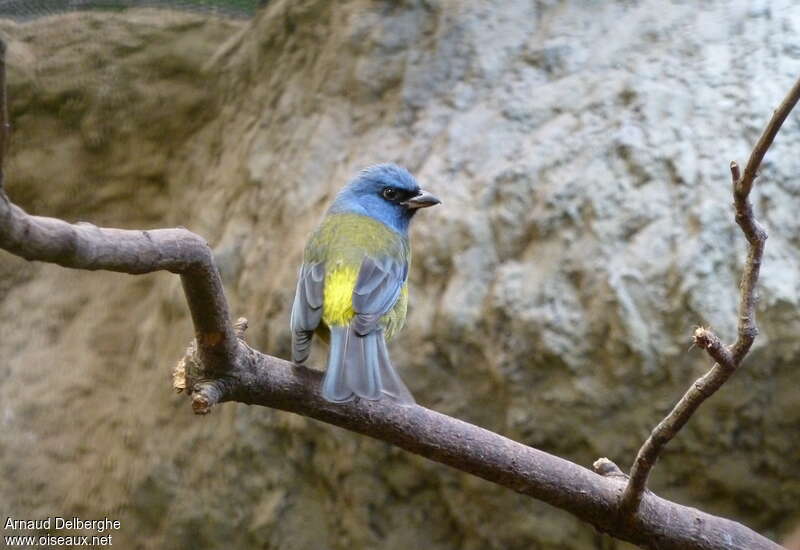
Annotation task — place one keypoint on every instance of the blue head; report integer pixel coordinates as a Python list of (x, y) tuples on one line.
[(386, 192)]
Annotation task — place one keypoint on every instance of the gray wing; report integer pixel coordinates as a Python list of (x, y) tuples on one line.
[(358, 362), (377, 289), (307, 309)]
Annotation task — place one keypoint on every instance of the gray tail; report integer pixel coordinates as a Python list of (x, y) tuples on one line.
[(360, 366)]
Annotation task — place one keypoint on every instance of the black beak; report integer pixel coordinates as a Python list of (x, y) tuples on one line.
[(422, 200)]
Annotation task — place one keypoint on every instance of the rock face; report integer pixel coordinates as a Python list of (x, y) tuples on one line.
[(582, 155)]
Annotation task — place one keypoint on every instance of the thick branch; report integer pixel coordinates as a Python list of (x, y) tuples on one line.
[(85, 246), (727, 359)]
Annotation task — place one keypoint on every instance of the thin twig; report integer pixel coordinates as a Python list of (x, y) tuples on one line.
[(703, 387), (766, 139), (727, 359)]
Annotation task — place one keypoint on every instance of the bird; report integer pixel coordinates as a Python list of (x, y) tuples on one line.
[(352, 287)]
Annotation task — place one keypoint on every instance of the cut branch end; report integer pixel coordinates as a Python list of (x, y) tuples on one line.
[(205, 395)]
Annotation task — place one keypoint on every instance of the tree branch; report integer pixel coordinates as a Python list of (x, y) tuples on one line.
[(727, 359), (220, 367), (85, 246), (271, 382)]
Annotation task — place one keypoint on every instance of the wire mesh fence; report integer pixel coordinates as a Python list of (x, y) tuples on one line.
[(31, 9)]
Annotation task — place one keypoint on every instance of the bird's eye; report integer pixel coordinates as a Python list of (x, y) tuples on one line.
[(389, 194)]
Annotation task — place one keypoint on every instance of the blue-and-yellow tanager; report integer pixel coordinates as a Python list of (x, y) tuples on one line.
[(352, 289)]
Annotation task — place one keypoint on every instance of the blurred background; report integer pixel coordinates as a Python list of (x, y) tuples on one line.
[(581, 150)]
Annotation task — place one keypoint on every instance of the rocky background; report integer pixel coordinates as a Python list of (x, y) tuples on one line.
[(581, 149)]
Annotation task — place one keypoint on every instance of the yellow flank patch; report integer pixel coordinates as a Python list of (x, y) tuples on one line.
[(337, 308)]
